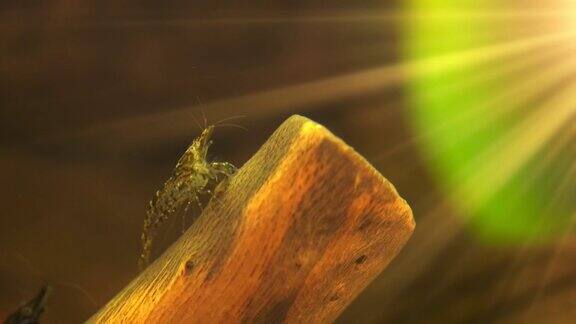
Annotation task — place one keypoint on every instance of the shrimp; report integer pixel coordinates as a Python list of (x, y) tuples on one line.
[(192, 177)]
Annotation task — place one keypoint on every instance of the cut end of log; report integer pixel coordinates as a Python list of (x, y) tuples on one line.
[(302, 228)]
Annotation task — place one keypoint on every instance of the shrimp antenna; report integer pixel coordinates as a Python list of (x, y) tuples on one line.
[(230, 118), (231, 125), (194, 119), (201, 104), (204, 116)]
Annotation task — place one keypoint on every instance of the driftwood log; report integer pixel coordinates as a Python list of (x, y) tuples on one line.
[(303, 227)]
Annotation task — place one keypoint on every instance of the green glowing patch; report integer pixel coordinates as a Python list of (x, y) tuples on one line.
[(462, 129)]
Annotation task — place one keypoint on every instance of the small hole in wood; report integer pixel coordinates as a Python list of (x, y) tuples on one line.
[(188, 267), (361, 259)]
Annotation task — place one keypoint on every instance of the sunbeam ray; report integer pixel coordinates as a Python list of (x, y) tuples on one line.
[(546, 65), (150, 128), (496, 166)]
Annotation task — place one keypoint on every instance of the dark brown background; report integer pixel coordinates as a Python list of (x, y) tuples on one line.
[(96, 100)]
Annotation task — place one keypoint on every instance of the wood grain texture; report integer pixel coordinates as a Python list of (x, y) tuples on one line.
[(296, 235)]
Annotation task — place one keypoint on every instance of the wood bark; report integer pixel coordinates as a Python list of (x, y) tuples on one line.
[(302, 228)]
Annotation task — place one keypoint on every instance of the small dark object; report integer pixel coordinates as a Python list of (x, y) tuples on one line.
[(30, 312)]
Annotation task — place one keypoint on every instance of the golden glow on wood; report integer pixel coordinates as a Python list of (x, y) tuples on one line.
[(296, 235)]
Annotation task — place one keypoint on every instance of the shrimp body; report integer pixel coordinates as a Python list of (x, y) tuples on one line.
[(190, 179)]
